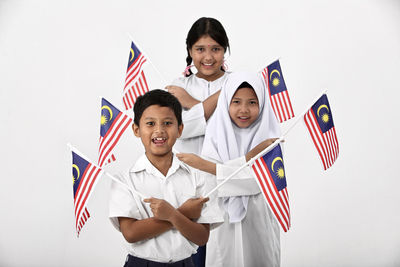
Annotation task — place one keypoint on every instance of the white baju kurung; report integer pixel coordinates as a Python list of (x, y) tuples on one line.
[(191, 140), (250, 234)]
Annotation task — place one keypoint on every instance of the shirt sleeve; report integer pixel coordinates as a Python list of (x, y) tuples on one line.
[(211, 213), (122, 203), (242, 184), (194, 122), (193, 119)]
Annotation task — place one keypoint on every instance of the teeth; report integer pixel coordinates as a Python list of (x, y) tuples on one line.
[(207, 64), (243, 118)]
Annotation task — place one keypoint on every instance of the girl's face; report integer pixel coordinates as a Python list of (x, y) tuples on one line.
[(208, 57), (244, 107)]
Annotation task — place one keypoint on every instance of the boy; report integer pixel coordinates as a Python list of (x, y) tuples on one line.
[(160, 230)]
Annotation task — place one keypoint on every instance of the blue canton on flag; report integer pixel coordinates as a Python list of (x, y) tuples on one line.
[(113, 124), (135, 81), (134, 55), (277, 90), (108, 115), (275, 78), (319, 122), (324, 114), (269, 172), (84, 178)]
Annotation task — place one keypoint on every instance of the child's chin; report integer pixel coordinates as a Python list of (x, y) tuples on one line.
[(242, 125), (159, 152)]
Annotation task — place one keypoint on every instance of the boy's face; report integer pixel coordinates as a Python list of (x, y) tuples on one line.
[(158, 129), (244, 107)]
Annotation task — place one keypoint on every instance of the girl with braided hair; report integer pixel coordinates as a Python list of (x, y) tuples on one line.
[(206, 45)]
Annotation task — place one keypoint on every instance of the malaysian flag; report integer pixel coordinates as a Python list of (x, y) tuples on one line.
[(113, 124), (135, 81), (270, 175), (277, 90), (319, 122), (84, 178)]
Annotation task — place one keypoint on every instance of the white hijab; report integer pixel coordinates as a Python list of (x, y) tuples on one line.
[(224, 141)]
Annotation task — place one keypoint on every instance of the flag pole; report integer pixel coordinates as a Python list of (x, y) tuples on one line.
[(302, 114), (105, 172), (148, 58), (266, 150)]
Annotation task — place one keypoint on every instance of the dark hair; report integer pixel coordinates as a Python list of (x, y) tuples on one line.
[(202, 27), (157, 97), (245, 85)]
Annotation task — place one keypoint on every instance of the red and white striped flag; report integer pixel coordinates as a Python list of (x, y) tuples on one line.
[(84, 177), (319, 122), (113, 124), (111, 158), (270, 175), (131, 93), (135, 81), (85, 216), (278, 92)]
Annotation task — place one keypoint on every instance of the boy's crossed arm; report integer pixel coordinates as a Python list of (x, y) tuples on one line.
[(165, 218)]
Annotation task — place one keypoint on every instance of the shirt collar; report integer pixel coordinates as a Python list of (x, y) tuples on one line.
[(143, 164), (220, 79)]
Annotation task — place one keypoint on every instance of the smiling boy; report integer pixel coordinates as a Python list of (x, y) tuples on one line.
[(158, 229)]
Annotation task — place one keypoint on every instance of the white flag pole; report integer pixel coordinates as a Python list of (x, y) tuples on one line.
[(302, 114), (266, 150), (106, 173), (226, 180), (148, 58)]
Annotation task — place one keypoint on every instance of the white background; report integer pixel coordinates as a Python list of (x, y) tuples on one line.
[(58, 57)]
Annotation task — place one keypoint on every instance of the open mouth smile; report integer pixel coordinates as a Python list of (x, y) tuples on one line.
[(159, 140), (243, 118)]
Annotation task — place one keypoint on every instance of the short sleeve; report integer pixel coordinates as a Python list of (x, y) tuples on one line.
[(181, 82), (212, 212), (122, 203), (242, 184)]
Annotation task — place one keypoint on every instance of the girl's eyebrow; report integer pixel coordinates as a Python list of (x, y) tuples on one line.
[(214, 45), (255, 98)]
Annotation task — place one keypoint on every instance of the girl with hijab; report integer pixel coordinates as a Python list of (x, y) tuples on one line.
[(243, 125)]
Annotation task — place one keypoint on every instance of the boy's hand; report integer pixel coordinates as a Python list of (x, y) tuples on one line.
[(192, 207), (186, 100), (161, 209)]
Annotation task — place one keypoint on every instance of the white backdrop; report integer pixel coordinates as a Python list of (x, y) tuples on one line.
[(58, 57)]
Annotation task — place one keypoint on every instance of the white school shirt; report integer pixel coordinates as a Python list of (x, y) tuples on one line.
[(181, 183), (191, 140)]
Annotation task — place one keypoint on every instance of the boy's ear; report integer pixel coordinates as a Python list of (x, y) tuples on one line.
[(136, 130), (180, 129)]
